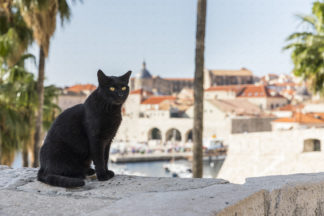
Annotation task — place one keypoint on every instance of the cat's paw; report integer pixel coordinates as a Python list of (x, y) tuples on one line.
[(110, 173), (103, 176), (90, 172)]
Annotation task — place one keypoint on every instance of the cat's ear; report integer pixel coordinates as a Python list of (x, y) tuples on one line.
[(125, 77), (101, 77)]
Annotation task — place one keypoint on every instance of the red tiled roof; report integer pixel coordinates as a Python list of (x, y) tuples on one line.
[(158, 99), (290, 107), (80, 87), (255, 91), (137, 91), (309, 118)]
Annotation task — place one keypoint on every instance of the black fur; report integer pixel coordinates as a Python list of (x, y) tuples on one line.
[(82, 134)]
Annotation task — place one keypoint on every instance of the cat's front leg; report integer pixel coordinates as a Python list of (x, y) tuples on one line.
[(109, 172), (97, 155)]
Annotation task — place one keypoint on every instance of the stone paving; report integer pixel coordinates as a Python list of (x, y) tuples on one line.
[(300, 194)]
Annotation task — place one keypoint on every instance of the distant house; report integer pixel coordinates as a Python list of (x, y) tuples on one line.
[(260, 95), (157, 106), (227, 77), (223, 92), (132, 104), (74, 95), (287, 110), (158, 85), (299, 121)]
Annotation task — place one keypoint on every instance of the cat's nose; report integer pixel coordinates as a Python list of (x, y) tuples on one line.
[(120, 94)]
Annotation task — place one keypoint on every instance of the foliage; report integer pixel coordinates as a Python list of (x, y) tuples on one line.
[(308, 48), (40, 16), (18, 88), (18, 103)]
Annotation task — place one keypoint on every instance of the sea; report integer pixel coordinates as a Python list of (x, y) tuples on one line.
[(150, 169)]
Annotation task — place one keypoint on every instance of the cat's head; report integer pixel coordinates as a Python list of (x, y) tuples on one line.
[(112, 88)]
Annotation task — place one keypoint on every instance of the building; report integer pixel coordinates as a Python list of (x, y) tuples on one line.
[(227, 77), (261, 96), (73, 95), (167, 86), (299, 121), (158, 85), (164, 118), (223, 92)]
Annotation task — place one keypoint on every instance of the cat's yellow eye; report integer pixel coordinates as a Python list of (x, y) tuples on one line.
[(112, 88), (124, 88)]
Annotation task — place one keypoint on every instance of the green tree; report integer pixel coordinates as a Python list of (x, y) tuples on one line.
[(18, 105), (40, 16), (18, 95), (197, 164), (308, 48), (15, 37)]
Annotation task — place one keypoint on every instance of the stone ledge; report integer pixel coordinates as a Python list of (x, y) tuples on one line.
[(300, 194)]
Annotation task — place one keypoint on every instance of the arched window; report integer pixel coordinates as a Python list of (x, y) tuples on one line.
[(173, 134), (154, 134), (311, 145)]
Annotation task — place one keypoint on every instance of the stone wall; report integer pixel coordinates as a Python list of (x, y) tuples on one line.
[(271, 153), (250, 124), (302, 194)]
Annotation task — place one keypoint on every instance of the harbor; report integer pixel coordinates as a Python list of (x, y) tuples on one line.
[(129, 158), (140, 157)]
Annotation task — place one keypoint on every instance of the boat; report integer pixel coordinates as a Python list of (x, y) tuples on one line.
[(178, 170)]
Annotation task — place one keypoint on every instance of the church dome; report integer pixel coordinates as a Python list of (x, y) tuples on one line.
[(144, 73)]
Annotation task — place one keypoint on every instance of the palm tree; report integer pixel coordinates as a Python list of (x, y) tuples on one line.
[(18, 95), (40, 16), (15, 37), (308, 48), (15, 116), (18, 103), (197, 165)]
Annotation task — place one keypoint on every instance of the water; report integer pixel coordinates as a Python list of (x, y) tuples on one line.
[(153, 169)]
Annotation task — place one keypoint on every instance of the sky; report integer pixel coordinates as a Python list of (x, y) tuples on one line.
[(117, 35)]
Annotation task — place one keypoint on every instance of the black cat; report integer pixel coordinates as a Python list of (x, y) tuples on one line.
[(82, 134)]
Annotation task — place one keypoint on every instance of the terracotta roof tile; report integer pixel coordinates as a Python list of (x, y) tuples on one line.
[(309, 118), (255, 91), (158, 99), (137, 91), (78, 88), (290, 107)]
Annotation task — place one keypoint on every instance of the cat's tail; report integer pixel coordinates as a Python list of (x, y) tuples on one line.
[(60, 181)]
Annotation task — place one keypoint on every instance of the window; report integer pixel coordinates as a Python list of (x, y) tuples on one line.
[(311, 145)]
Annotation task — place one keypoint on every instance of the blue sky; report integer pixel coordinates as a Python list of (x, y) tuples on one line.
[(116, 35)]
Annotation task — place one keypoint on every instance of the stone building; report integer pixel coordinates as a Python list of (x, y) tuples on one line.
[(259, 95), (227, 77), (158, 85), (73, 95), (162, 118), (167, 86)]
